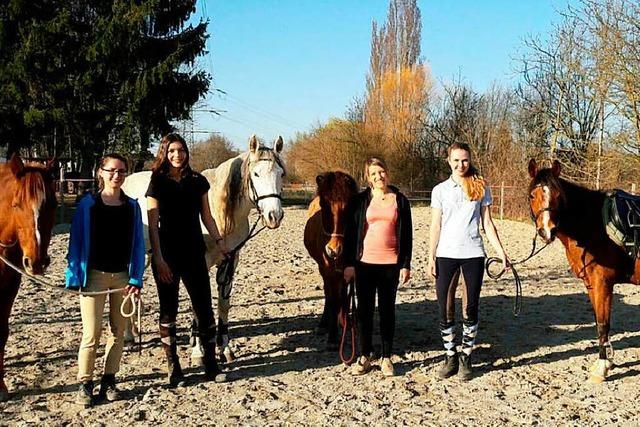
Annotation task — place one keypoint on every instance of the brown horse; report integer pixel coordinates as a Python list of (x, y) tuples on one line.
[(27, 204), (323, 238), (573, 214)]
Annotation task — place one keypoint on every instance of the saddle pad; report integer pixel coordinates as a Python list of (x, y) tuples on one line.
[(621, 217)]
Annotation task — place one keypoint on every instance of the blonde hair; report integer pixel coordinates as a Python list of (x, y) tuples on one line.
[(373, 161), (473, 184)]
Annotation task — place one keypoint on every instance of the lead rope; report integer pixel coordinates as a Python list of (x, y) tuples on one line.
[(517, 304), (347, 316), (136, 305)]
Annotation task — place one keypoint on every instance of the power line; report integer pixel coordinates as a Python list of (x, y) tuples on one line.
[(259, 111)]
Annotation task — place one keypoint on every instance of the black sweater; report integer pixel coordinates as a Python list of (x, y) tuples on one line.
[(357, 220)]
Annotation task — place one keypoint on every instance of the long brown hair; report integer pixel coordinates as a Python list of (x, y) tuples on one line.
[(103, 161), (473, 183), (161, 163)]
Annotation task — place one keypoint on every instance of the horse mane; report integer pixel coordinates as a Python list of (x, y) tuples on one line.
[(238, 185), (336, 186), (31, 188)]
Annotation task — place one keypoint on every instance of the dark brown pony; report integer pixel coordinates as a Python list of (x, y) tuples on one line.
[(27, 206), (573, 214), (323, 238)]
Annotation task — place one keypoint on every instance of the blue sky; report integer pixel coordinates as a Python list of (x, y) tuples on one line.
[(289, 65)]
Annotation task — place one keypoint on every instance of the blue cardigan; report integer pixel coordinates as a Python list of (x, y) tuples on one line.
[(79, 244)]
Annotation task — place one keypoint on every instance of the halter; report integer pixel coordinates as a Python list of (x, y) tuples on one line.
[(256, 198), (536, 215), (8, 245)]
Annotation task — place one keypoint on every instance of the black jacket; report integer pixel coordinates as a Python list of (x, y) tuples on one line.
[(356, 222)]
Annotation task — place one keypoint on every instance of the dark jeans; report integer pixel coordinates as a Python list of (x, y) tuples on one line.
[(195, 276), (384, 279), (473, 271)]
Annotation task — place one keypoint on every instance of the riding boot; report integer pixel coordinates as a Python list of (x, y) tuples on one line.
[(469, 332), (450, 366), (170, 347), (465, 370), (211, 370)]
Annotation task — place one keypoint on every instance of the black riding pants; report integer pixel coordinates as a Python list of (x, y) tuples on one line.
[(384, 279), (195, 276), (472, 271)]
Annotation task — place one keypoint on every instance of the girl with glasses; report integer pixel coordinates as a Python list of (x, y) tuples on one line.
[(106, 251)]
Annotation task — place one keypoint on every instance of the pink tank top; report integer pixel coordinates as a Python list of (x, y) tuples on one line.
[(380, 242)]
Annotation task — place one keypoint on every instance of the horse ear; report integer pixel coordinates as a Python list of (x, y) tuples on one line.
[(16, 164), (253, 144), (555, 168), (319, 180), (279, 143), (533, 168)]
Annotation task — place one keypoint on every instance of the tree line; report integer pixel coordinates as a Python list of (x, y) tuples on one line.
[(577, 100)]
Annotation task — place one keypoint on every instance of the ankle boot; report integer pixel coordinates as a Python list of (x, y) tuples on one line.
[(168, 338), (465, 371), (108, 390), (174, 375), (84, 397), (449, 367), (211, 370)]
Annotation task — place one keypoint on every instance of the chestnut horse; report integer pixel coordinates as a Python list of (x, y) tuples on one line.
[(573, 214), (323, 238), (27, 204)]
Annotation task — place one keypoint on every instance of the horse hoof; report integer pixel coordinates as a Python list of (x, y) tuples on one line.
[(228, 355), (4, 395), (197, 361), (599, 371)]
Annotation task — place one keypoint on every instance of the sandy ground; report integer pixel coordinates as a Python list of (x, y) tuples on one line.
[(531, 369)]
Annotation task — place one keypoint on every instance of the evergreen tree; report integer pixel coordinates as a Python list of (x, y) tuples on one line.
[(87, 77)]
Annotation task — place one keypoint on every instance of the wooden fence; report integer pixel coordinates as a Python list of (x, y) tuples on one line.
[(508, 201)]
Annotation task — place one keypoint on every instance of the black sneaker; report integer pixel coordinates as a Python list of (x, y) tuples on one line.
[(449, 368), (108, 390), (465, 371), (84, 396)]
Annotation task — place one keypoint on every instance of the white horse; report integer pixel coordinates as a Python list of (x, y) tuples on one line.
[(251, 179)]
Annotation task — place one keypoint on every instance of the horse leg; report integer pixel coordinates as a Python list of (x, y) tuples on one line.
[(323, 326), (6, 302), (332, 294), (601, 299), (222, 334), (224, 304)]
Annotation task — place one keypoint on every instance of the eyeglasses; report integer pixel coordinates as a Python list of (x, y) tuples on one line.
[(114, 171)]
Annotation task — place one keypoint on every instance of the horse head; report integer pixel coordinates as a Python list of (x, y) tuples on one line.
[(546, 199), (33, 211), (335, 189), (264, 171)]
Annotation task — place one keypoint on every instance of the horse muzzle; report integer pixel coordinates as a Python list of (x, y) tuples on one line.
[(37, 267), (549, 236), (273, 219), (333, 252)]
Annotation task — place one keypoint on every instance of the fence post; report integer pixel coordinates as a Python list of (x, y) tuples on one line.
[(502, 200)]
